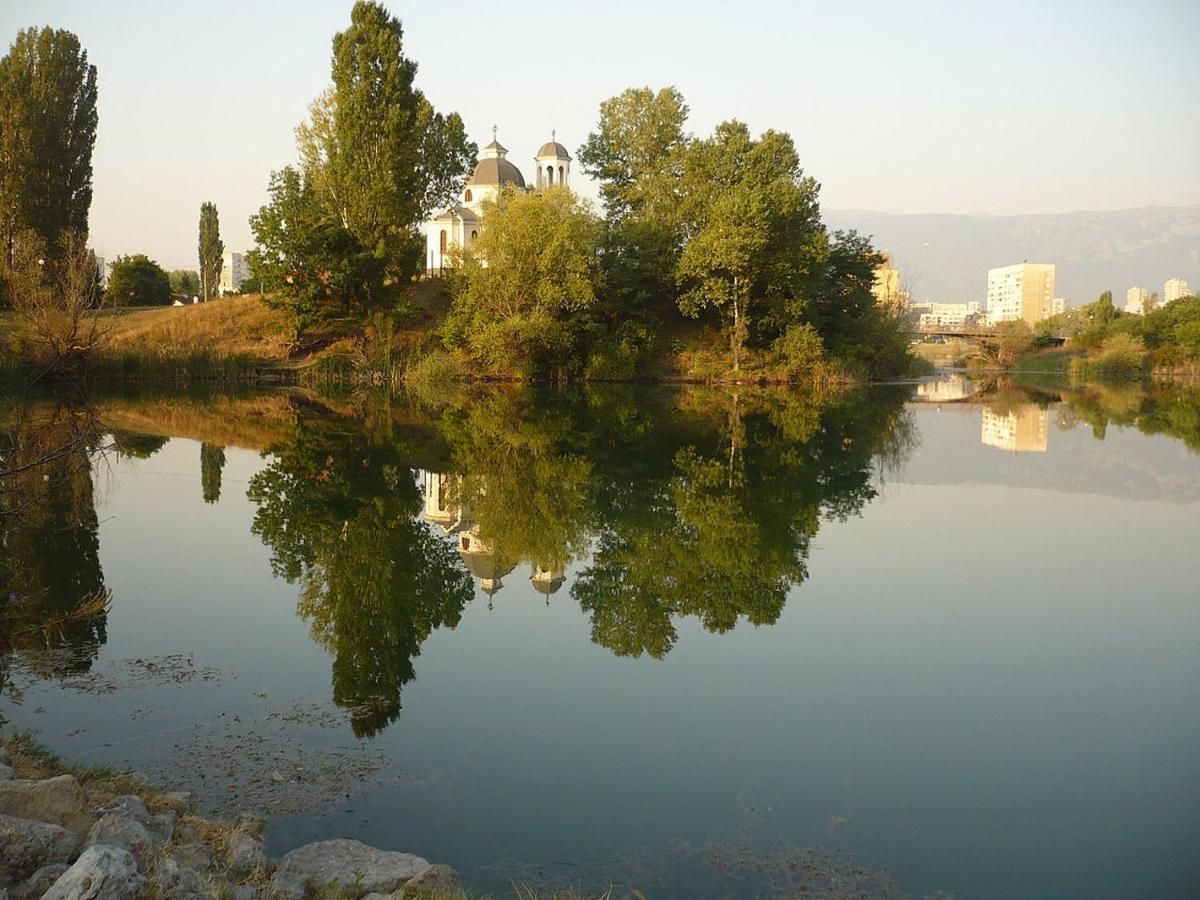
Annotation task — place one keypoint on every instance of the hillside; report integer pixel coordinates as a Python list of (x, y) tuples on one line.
[(946, 256)]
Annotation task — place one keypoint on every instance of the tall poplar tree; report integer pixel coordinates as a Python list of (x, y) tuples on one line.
[(211, 250), (47, 132)]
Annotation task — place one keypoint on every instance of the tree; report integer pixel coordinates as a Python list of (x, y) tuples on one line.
[(211, 250), (55, 295), (47, 131), (320, 268), (138, 281), (212, 461), (520, 291), (375, 150), (185, 282), (752, 234)]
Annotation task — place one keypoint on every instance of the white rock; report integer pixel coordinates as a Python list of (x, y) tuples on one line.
[(441, 880), (344, 863), (39, 882), (100, 873), (115, 829), (59, 801)]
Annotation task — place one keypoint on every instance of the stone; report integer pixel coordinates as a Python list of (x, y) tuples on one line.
[(39, 882), (180, 801), (194, 856), (439, 880), (179, 881), (5, 756), (243, 892), (132, 806), (7, 773), (100, 873), (116, 829), (59, 801), (346, 864), (160, 827), (27, 845), (245, 854)]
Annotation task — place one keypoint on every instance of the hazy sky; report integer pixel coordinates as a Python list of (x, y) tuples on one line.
[(1002, 107)]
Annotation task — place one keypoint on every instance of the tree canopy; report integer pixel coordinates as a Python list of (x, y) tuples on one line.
[(138, 280), (211, 250)]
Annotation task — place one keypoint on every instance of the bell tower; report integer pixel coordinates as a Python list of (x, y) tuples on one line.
[(553, 164)]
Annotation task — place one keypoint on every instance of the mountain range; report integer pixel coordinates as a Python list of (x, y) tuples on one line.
[(945, 257)]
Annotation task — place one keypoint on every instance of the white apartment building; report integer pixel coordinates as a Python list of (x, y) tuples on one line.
[(233, 272), (1136, 301), (1024, 291), (1174, 289), (947, 315)]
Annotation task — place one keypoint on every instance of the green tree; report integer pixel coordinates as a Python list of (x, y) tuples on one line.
[(212, 461), (185, 282), (520, 292), (211, 252), (753, 238), (319, 268), (138, 281), (376, 151), (47, 131)]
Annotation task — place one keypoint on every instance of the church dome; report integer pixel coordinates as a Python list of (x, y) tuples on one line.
[(496, 171), (555, 149)]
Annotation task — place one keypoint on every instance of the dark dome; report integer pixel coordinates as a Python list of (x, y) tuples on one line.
[(554, 148), (496, 171)]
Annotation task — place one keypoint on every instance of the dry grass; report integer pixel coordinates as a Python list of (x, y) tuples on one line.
[(232, 325)]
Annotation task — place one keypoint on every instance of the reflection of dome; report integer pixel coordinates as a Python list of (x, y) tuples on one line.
[(555, 149), (548, 586), (496, 170)]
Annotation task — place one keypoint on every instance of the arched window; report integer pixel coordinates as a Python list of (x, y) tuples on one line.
[(442, 241), (467, 195), (560, 174), (474, 235), (549, 174)]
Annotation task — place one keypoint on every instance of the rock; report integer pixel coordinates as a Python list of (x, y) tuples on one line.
[(194, 856), (345, 863), (172, 879), (245, 854), (132, 806), (243, 892), (5, 756), (39, 882), (100, 873), (439, 880), (7, 773), (180, 801), (160, 827), (26, 846), (116, 829), (59, 801)]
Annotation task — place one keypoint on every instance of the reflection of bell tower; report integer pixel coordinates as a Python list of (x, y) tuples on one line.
[(547, 581), (553, 164), (441, 506)]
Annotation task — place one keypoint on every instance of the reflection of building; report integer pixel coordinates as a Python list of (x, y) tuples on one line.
[(1023, 431), (547, 581), (233, 272), (441, 500), (1024, 291), (449, 511), (1174, 289), (945, 390), (1136, 300)]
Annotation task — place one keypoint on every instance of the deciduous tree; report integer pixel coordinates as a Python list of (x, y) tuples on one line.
[(138, 281), (211, 252)]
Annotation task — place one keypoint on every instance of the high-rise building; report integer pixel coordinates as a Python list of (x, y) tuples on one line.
[(887, 282), (1174, 289), (233, 272), (946, 315), (1024, 291), (1136, 301), (1059, 306)]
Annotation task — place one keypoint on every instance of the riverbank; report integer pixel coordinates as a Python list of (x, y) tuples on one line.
[(71, 832)]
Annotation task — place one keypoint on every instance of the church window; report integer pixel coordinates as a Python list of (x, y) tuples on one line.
[(560, 174), (474, 235), (442, 241), (550, 174), (467, 195)]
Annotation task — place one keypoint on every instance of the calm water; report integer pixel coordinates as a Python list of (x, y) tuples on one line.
[(934, 638)]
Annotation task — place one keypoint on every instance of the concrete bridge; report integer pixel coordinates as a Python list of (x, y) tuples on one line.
[(979, 334)]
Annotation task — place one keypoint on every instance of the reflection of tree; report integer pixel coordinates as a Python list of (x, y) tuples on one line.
[(339, 513), (139, 446), (52, 594), (1172, 409), (212, 461)]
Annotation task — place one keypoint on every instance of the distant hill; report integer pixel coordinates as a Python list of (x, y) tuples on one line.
[(946, 256)]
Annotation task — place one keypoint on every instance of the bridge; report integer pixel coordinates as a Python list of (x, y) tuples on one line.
[(979, 334)]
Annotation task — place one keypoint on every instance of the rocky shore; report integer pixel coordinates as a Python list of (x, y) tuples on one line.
[(99, 835)]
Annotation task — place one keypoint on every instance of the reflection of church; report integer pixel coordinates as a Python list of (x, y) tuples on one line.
[(446, 508), (459, 225)]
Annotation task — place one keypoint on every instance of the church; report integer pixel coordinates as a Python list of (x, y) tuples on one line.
[(459, 225)]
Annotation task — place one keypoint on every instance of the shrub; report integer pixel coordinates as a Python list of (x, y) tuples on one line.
[(1119, 354), (800, 350)]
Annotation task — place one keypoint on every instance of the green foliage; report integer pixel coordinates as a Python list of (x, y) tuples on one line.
[(185, 282), (1119, 354), (47, 131), (320, 267), (138, 281), (519, 295), (211, 249), (212, 461), (801, 349), (377, 153)]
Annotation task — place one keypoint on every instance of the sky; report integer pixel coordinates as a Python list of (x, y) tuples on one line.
[(959, 107)]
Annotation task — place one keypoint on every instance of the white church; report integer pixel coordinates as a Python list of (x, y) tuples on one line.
[(459, 225)]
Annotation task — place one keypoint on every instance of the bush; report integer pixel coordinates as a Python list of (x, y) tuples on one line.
[(434, 368), (620, 356), (800, 351), (1119, 354)]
